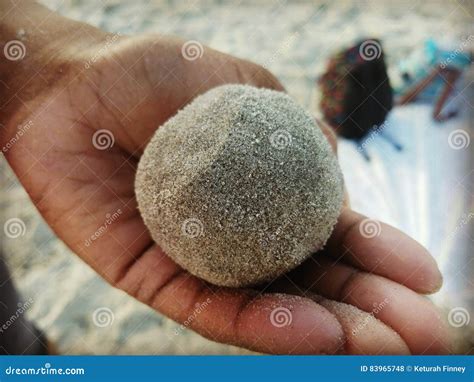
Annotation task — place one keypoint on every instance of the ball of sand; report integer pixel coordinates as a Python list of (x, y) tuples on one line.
[(240, 186)]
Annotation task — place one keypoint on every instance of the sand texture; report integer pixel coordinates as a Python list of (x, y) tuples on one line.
[(240, 186)]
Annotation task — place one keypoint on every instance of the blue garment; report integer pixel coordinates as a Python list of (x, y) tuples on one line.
[(421, 63)]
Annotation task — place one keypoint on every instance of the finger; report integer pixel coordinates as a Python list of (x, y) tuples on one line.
[(329, 134), (413, 316), (364, 334), (379, 248), (268, 323)]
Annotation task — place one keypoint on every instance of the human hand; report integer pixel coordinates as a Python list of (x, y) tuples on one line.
[(92, 101)]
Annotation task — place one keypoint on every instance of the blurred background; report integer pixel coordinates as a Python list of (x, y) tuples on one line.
[(426, 189)]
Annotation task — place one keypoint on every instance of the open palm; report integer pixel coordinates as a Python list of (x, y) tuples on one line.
[(78, 161)]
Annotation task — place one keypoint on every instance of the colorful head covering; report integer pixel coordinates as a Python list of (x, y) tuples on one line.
[(355, 91)]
